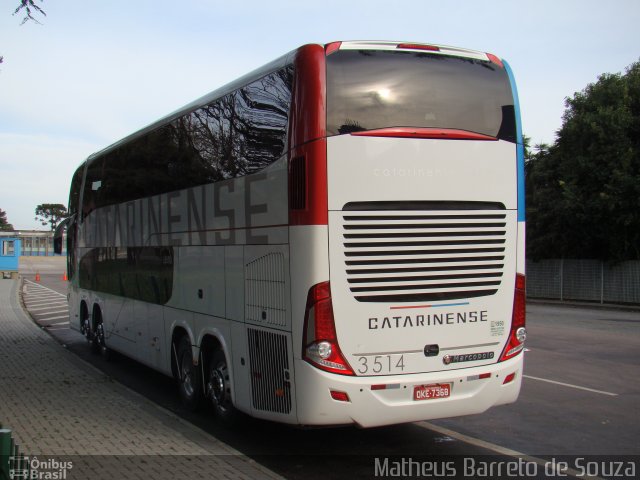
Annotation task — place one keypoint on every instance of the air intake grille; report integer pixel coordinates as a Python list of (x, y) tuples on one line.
[(265, 290), (269, 363), (413, 256)]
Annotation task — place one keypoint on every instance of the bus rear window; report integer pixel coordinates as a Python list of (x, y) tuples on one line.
[(372, 89)]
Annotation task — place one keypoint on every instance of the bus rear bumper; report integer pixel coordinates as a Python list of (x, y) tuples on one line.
[(472, 391)]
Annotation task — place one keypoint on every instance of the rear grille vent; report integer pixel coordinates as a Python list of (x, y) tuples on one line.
[(269, 364), (297, 189), (413, 256)]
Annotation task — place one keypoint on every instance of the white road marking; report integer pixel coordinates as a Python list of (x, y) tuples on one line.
[(44, 298), (39, 303), (474, 441), (47, 302), (53, 318), (52, 312), (45, 288), (601, 392), (496, 448), (50, 307), (43, 294)]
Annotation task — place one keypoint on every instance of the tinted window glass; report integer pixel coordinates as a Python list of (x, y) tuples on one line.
[(376, 89), (161, 161), (74, 190), (141, 273), (246, 130), (233, 136), (92, 185)]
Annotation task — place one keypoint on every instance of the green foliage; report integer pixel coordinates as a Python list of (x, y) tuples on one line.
[(28, 7), (583, 192), (4, 223), (50, 214)]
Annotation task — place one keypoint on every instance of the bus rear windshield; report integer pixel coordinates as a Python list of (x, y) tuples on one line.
[(373, 89)]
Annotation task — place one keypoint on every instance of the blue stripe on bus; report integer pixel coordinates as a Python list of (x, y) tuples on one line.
[(431, 306), (450, 305), (519, 145)]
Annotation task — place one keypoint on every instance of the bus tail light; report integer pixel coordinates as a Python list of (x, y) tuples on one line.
[(419, 46), (419, 132), (320, 343), (329, 48), (493, 59), (518, 332)]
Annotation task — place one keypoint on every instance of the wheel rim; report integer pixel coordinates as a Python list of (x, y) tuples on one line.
[(217, 386), (86, 330), (100, 337), (186, 370)]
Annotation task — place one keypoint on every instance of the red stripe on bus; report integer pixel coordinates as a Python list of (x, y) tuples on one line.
[(307, 136)]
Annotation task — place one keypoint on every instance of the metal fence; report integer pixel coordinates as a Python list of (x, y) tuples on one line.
[(586, 280)]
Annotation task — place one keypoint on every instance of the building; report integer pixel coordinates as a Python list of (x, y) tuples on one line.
[(33, 242)]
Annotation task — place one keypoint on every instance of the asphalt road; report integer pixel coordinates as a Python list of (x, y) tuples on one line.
[(581, 391), (580, 396)]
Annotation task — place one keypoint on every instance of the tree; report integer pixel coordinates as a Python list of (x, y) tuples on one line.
[(50, 214), (584, 190), (29, 6), (4, 223)]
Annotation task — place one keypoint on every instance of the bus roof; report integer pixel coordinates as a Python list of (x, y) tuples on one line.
[(409, 46), (282, 62)]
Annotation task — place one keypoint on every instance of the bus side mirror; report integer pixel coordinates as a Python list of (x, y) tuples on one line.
[(57, 245), (58, 235)]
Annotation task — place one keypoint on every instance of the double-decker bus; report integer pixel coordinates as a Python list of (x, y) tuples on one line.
[(334, 238)]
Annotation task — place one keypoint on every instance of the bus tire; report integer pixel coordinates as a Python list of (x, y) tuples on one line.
[(85, 322), (188, 375), (98, 343), (218, 387)]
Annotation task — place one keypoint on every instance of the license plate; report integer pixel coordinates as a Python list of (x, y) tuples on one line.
[(431, 392)]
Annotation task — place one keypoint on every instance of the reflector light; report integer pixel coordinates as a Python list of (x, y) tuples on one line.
[(417, 46), (484, 375), (517, 334), (378, 387), (509, 378), (329, 48), (340, 396)]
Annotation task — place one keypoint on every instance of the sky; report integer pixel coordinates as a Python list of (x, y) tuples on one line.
[(95, 71)]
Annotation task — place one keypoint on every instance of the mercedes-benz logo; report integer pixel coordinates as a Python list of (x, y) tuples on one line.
[(446, 359)]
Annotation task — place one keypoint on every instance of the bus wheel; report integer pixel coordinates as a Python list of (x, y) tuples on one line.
[(98, 343), (218, 387), (189, 381), (85, 326)]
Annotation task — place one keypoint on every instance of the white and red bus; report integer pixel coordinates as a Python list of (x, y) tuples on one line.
[(334, 238)]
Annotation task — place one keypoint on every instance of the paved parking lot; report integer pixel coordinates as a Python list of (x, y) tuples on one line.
[(29, 266), (47, 307), (580, 396)]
